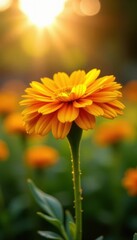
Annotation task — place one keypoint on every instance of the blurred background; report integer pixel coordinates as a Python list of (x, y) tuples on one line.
[(37, 39)]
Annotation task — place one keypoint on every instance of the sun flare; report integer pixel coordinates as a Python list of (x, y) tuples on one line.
[(42, 13)]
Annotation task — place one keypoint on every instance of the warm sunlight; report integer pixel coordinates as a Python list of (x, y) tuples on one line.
[(42, 13), (4, 4)]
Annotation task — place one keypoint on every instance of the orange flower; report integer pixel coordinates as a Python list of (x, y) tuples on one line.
[(41, 156), (130, 91), (4, 151), (113, 132), (14, 124), (54, 104), (130, 181), (8, 102)]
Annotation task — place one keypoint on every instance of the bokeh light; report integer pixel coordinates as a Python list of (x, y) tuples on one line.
[(40, 12), (4, 4), (90, 7)]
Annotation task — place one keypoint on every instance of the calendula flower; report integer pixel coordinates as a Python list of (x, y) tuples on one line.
[(53, 105), (13, 124), (129, 181), (113, 132), (8, 102), (4, 151), (41, 156), (130, 91)]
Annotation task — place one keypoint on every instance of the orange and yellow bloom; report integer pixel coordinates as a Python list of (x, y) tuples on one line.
[(41, 156), (13, 123), (4, 151), (53, 105), (113, 132), (129, 181)]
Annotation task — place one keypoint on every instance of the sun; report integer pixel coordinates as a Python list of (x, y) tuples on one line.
[(42, 13)]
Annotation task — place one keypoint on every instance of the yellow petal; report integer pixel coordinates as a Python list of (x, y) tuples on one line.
[(94, 109), (104, 96), (67, 113), (60, 130), (77, 77), (109, 112), (61, 80), (85, 120), (91, 76), (49, 107), (82, 102), (49, 84), (40, 88), (79, 90), (43, 125)]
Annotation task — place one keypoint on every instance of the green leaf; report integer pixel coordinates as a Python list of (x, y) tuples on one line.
[(100, 238), (70, 226), (53, 221), (48, 203), (135, 236), (50, 235)]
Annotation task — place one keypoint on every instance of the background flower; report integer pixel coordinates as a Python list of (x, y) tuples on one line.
[(41, 156), (113, 132), (13, 123), (4, 151), (129, 181)]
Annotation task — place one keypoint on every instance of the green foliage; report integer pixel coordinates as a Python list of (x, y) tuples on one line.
[(135, 236), (55, 215), (100, 238), (50, 235), (48, 203)]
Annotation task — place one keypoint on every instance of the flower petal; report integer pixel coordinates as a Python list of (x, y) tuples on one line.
[(77, 77), (91, 76), (109, 112), (79, 90), (49, 85), (85, 120), (104, 96), (94, 109), (60, 130), (49, 107), (61, 80), (43, 125), (67, 113), (82, 102)]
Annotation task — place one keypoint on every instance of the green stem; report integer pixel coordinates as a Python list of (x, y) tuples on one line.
[(74, 138)]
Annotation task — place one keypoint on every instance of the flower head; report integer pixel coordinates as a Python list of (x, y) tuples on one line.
[(4, 151), (113, 132), (129, 181), (8, 102), (53, 105), (41, 156), (14, 124), (130, 91)]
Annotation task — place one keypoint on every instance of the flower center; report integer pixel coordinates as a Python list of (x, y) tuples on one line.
[(70, 93)]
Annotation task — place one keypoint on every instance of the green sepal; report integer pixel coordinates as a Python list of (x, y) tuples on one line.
[(48, 203), (53, 221), (135, 236), (70, 226), (50, 235)]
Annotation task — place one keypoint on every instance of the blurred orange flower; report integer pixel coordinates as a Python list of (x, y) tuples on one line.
[(113, 132), (129, 181), (14, 124), (4, 151), (54, 104), (41, 156), (8, 102), (130, 91)]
